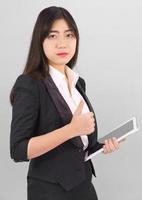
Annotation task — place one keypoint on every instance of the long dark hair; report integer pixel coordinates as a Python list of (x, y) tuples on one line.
[(37, 63)]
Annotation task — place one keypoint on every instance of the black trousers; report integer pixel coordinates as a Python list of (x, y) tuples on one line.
[(43, 190)]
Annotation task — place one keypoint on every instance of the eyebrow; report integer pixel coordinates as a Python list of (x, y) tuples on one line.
[(55, 31)]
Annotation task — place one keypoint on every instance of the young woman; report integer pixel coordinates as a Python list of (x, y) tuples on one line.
[(53, 123)]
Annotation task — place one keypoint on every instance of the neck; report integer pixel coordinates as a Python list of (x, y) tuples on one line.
[(60, 68)]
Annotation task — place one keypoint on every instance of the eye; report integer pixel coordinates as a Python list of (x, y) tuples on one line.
[(52, 36), (70, 35)]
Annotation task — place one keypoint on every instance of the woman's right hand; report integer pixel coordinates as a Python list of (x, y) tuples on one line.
[(82, 124)]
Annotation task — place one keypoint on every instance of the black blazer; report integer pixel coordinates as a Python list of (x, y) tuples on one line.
[(38, 109)]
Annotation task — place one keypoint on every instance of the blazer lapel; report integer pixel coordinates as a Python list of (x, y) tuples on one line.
[(61, 106), (93, 136)]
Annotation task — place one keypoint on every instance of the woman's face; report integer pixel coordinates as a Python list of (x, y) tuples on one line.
[(60, 39)]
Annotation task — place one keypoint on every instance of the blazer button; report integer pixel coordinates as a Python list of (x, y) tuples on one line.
[(79, 150)]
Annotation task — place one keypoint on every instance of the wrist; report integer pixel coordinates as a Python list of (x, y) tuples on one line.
[(71, 130)]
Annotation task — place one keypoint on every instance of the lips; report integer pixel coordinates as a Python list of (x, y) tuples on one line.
[(62, 53)]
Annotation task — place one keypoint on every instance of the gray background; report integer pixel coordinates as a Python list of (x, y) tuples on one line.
[(109, 60)]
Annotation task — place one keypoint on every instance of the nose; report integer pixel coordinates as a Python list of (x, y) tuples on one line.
[(61, 43)]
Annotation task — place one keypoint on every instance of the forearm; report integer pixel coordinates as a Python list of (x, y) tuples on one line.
[(42, 144)]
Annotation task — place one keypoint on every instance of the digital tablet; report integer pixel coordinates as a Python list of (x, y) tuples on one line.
[(120, 132)]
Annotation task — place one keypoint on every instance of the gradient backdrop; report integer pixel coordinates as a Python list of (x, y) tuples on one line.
[(110, 60)]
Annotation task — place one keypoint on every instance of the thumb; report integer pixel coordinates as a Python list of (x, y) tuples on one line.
[(79, 107)]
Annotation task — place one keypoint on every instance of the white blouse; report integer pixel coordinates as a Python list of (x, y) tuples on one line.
[(72, 97)]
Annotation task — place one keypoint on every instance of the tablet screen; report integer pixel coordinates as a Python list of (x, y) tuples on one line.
[(120, 131)]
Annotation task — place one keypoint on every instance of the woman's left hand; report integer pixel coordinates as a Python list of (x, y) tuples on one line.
[(111, 145)]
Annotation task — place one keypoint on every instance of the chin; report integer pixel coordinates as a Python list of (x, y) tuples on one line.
[(63, 63)]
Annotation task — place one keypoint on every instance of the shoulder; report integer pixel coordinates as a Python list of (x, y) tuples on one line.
[(26, 82)]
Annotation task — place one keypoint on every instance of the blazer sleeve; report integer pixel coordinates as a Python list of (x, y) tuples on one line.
[(24, 116)]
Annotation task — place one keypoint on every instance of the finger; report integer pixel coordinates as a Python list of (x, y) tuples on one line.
[(92, 115), (116, 143), (79, 107), (108, 150), (111, 145), (93, 119), (104, 149)]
